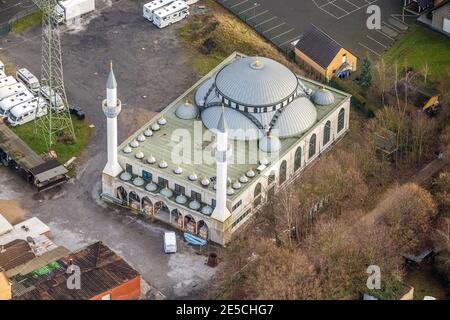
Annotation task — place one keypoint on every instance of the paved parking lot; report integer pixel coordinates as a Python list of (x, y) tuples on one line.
[(152, 69), (284, 21), (9, 8)]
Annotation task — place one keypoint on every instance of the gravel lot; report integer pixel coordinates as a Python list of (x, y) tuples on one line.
[(152, 69)]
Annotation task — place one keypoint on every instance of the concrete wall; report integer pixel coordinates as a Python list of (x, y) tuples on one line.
[(438, 18)]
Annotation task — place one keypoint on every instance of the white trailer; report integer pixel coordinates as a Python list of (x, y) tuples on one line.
[(2, 74), (2, 66), (174, 12), (27, 111), (10, 102), (7, 81), (170, 242), (28, 79), (50, 94), (149, 8), (8, 91), (190, 2), (69, 10)]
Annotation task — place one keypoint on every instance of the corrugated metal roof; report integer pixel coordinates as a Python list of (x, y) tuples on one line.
[(296, 118), (14, 254), (265, 85)]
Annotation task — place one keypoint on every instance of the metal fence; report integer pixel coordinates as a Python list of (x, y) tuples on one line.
[(6, 27), (245, 16)]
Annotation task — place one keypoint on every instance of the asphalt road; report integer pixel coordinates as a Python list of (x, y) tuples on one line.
[(344, 20), (151, 69), (9, 8)]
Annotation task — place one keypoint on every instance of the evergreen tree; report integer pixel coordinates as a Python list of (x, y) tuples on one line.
[(366, 74)]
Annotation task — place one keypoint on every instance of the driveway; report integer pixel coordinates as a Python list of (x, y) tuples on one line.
[(151, 69)]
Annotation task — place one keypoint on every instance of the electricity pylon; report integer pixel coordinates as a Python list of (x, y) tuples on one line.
[(57, 121)]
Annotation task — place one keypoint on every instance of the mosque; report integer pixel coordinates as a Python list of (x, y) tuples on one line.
[(215, 155)]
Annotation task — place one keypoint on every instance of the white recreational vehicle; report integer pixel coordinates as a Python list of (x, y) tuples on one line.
[(27, 111), (12, 101), (8, 91), (7, 81), (68, 11), (174, 12), (149, 8), (2, 66), (45, 92), (2, 74), (28, 79)]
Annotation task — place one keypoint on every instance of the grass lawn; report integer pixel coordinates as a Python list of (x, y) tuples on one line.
[(421, 46), (27, 22), (64, 151)]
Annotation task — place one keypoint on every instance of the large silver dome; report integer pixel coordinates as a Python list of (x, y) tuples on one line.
[(296, 118), (256, 82)]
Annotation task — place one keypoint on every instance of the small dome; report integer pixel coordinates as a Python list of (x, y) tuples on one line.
[(194, 205), (230, 191), (205, 182), (163, 164), (152, 187), (134, 144), (186, 111), (207, 210), (125, 176), (264, 162), (155, 127), (140, 155), (215, 186), (243, 179), (166, 192), (181, 199), (148, 133), (139, 182), (178, 170), (269, 143), (237, 185), (127, 149), (141, 138), (151, 159), (250, 173), (193, 176), (162, 121), (323, 97)]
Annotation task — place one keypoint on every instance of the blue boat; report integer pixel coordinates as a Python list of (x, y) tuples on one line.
[(190, 238)]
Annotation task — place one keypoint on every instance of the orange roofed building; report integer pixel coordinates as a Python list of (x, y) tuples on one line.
[(324, 55)]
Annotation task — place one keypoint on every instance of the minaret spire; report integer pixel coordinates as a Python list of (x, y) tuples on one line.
[(221, 211), (111, 108)]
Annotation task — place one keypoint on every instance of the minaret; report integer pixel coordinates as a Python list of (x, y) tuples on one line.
[(111, 108), (221, 211)]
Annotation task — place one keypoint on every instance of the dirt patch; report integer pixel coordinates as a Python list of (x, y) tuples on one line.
[(12, 211)]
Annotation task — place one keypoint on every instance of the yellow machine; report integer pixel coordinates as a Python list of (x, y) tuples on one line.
[(431, 106)]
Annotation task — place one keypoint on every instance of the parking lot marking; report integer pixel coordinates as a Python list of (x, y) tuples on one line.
[(259, 14), (291, 40), (251, 8), (238, 4), (263, 22), (384, 34), (371, 50), (282, 34), (374, 40), (277, 26), (332, 3)]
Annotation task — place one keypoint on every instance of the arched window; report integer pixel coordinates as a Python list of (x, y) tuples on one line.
[(283, 169), (272, 177), (341, 120), (298, 159), (327, 133), (312, 146), (257, 195)]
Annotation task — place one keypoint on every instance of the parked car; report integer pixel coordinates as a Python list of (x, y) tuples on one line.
[(170, 242), (77, 112)]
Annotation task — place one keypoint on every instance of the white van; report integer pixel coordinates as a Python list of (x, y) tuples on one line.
[(8, 91), (27, 111), (170, 14), (7, 81), (2, 66), (2, 74), (28, 79), (12, 101), (45, 92), (170, 242)]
